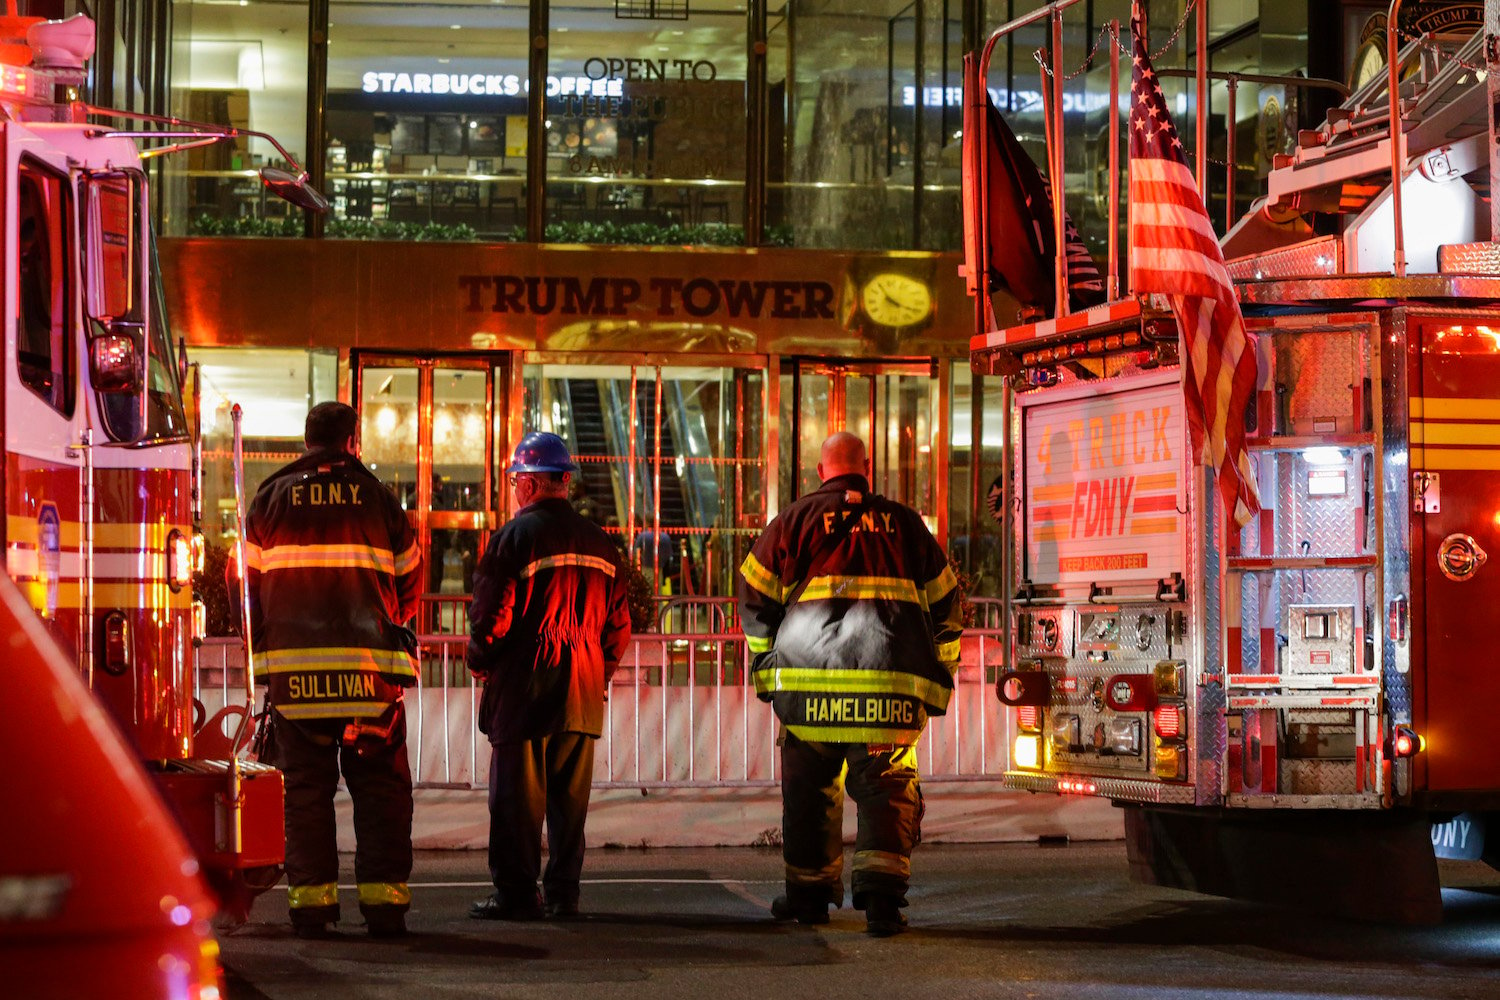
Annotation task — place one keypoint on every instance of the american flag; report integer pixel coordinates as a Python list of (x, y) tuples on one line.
[(1174, 252)]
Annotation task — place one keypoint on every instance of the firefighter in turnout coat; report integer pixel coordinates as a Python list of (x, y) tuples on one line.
[(548, 626), (853, 616), (334, 573)]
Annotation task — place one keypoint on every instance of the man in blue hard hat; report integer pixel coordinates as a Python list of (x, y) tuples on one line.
[(548, 626)]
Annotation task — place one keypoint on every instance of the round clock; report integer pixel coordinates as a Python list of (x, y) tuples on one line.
[(896, 300)]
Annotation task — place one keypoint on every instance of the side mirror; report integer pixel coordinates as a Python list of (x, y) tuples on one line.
[(293, 188), (115, 362)]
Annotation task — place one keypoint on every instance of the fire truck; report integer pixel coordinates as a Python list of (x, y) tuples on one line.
[(99, 477), (1297, 710)]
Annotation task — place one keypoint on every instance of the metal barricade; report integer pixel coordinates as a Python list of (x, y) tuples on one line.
[(681, 713)]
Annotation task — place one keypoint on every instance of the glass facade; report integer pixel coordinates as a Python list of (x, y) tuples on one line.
[(425, 127)]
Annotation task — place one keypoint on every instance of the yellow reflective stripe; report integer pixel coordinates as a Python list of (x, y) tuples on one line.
[(301, 896), (947, 652), (408, 560), (830, 872), (388, 661), (569, 559), (942, 586), (845, 681), (856, 588), (334, 710), (847, 734), (325, 557), (887, 862), (759, 645), (384, 894), (763, 579), (252, 555)]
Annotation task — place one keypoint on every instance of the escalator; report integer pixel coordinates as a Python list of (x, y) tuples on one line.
[(592, 416), (589, 440)]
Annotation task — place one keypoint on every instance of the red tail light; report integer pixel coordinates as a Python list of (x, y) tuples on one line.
[(1405, 742), (1168, 721), (1029, 717)]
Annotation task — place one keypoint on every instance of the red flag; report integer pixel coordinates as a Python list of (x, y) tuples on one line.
[(1173, 251)]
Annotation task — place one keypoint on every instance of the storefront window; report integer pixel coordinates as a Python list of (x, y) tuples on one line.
[(426, 120), (646, 126), (244, 65), (869, 111)]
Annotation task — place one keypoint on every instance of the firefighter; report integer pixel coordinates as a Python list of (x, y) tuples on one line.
[(548, 626), (853, 616), (334, 573)]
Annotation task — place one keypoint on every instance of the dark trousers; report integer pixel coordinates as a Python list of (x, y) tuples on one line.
[(884, 784), (379, 781), (546, 778)]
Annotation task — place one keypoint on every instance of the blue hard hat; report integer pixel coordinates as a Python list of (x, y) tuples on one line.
[(540, 451)]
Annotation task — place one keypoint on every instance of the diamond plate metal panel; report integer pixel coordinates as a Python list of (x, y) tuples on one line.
[(1206, 691), (1395, 494), (1120, 789), (1469, 258), (1322, 256), (1317, 777), (1315, 376), (1322, 525)]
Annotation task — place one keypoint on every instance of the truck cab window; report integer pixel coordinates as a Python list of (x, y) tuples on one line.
[(44, 340)]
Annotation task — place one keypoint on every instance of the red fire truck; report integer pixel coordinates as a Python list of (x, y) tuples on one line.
[(99, 474), (1281, 711)]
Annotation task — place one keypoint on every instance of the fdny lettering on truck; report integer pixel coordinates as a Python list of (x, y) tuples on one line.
[(1103, 481)]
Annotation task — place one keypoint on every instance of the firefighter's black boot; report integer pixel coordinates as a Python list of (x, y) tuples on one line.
[(803, 910), (883, 916)]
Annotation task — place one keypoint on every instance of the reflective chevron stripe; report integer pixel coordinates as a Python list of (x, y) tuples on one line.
[(568, 559), (283, 557), (384, 894), (385, 661), (857, 588), (763, 579)]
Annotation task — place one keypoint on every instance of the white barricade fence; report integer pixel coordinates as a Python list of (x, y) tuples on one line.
[(682, 713)]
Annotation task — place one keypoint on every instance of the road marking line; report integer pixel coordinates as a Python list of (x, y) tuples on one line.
[(599, 881)]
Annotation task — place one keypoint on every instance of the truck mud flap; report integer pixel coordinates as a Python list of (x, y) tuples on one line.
[(1375, 867)]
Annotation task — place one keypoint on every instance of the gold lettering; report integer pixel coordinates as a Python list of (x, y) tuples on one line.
[(1096, 442), (1075, 438), (335, 493), (1117, 438), (1159, 444), (297, 495), (315, 494), (887, 519), (867, 521), (828, 522), (354, 493), (294, 686)]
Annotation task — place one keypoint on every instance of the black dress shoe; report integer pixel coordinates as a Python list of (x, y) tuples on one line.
[(561, 909), (495, 908), (803, 912)]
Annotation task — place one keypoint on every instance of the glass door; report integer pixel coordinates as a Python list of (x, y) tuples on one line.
[(428, 431), (892, 407)]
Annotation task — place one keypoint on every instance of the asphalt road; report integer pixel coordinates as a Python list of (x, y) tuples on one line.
[(987, 921)]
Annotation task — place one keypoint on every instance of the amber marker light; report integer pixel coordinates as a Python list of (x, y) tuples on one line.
[(1027, 752)]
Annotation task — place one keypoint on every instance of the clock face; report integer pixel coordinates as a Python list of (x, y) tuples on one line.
[(896, 300)]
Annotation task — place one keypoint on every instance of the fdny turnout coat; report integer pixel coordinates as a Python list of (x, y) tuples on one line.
[(334, 572), (852, 612), (548, 625)]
